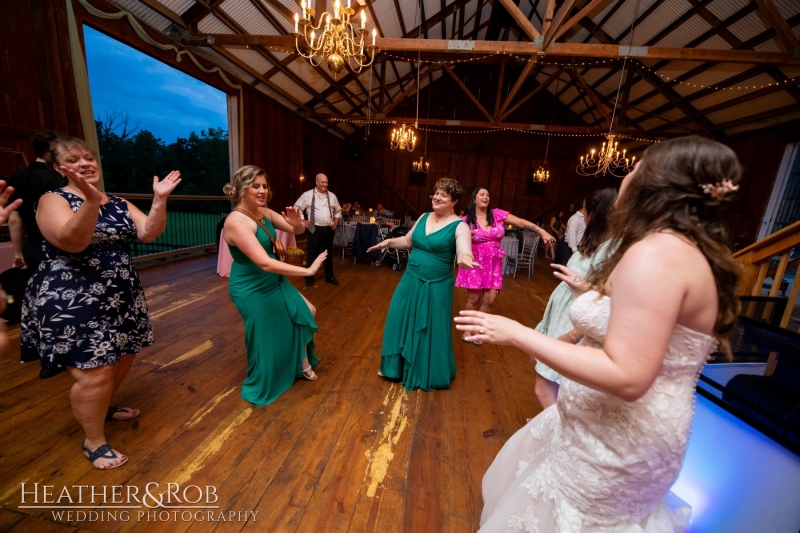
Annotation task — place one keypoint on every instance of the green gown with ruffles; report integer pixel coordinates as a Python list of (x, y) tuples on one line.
[(278, 325), (417, 336)]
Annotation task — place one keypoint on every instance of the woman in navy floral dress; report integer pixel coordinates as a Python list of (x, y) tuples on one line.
[(84, 308)]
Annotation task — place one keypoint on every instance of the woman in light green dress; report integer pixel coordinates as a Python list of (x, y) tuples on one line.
[(593, 250), (417, 336), (278, 321)]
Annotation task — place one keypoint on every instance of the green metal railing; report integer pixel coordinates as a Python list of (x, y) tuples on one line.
[(193, 224)]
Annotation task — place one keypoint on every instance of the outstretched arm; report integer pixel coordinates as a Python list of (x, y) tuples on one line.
[(464, 247), (630, 359), (288, 221), (68, 231), (150, 226), (240, 231), (398, 243), (525, 224)]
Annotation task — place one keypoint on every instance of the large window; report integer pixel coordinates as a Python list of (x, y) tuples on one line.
[(152, 118)]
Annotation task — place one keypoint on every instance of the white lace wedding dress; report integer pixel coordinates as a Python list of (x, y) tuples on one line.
[(593, 462)]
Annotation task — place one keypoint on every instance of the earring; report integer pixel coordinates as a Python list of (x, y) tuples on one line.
[(452, 211)]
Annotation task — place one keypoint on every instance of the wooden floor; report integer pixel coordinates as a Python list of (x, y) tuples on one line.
[(348, 452)]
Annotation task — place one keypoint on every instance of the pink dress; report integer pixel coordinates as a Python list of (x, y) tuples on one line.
[(488, 253)]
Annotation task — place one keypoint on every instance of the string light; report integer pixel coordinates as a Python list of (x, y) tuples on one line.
[(590, 64), (491, 130)]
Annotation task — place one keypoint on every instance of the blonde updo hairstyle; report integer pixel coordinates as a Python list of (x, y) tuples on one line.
[(63, 144), (450, 186), (243, 179)]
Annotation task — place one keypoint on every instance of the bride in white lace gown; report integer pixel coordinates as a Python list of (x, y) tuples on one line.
[(604, 457)]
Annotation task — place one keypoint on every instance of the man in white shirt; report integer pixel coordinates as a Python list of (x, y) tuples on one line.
[(322, 214), (576, 225)]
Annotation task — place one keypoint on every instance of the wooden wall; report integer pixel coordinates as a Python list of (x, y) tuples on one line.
[(503, 162), (36, 83), (760, 155)]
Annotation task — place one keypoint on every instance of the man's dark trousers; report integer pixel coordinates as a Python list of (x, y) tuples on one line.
[(319, 241)]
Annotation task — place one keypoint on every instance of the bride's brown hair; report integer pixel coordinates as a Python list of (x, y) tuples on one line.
[(667, 193)]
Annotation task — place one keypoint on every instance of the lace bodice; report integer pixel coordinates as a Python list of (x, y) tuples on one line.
[(606, 461)]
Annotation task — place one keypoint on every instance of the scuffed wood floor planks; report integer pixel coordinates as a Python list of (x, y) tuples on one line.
[(348, 452)]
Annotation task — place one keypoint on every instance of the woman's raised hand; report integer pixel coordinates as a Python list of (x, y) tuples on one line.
[(165, 187), (317, 263), (546, 237), (483, 327), (292, 216), (6, 211), (90, 192), (468, 262), (569, 277), (379, 247)]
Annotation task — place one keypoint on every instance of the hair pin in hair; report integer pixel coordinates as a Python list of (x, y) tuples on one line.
[(719, 189)]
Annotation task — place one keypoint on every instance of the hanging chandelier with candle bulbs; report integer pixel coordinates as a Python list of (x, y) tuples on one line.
[(420, 166), (338, 42), (541, 175), (608, 160), (403, 138)]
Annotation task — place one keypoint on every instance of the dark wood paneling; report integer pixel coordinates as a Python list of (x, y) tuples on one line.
[(37, 88)]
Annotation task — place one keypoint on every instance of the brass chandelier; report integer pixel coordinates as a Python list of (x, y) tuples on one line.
[(339, 41), (608, 161), (403, 138), (421, 166), (541, 175)]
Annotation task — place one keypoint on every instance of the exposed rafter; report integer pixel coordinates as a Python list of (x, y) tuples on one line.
[(469, 93)]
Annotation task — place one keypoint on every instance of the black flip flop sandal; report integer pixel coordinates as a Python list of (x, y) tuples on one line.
[(112, 409), (103, 451)]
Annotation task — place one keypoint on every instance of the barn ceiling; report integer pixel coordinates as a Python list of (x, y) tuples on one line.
[(716, 67)]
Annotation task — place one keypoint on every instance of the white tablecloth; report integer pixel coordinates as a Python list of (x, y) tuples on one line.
[(510, 246)]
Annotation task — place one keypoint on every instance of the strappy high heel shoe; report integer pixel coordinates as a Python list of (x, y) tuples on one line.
[(309, 374)]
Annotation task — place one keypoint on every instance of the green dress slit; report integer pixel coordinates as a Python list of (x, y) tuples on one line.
[(278, 325), (417, 336)]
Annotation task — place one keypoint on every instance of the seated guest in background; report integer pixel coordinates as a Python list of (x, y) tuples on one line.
[(417, 336), (85, 308), (593, 250), (29, 184), (487, 227), (604, 458), (279, 322), (356, 209), (380, 211), (323, 214), (346, 208)]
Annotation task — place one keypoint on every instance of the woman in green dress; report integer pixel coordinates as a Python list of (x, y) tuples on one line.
[(593, 250), (417, 336), (278, 321)]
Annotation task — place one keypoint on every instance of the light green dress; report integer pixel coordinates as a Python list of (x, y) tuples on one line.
[(278, 325), (418, 334), (556, 321)]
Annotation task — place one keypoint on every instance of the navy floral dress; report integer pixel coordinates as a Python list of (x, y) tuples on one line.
[(86, 309)]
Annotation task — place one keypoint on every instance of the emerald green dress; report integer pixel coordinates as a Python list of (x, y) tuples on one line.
[(278, 325), (417, 336)]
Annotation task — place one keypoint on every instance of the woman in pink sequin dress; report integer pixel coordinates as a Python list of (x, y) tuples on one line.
[(488, 228)]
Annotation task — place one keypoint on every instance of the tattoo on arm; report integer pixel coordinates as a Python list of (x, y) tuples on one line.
[(534, 227)]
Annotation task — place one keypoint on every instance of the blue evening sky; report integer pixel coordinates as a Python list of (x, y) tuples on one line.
[(166, 101)]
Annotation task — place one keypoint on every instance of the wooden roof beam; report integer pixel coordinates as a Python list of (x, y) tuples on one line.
[(435, 19), (590, 50), (592, 95), (793, 108), (533, 93), (518, 85), (568, 25), (554, 128), (775, 19), (468, 92), (521, 20), (200, 10)]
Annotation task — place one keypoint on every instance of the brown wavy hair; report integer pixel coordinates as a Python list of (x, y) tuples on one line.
[(243, 179), (666, 194), (598, 206), (450, 186)]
